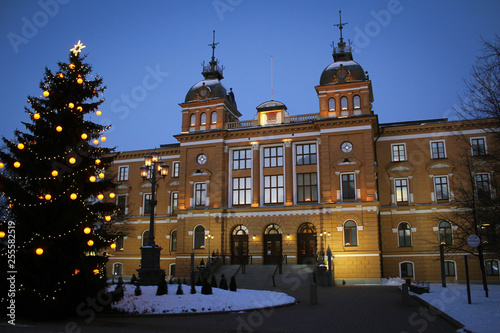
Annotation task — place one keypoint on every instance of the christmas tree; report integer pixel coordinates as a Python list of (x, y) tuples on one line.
[(53, 179)]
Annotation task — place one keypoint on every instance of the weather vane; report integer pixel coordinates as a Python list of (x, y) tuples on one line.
[(78, 48), (340, 25), (213, 47)]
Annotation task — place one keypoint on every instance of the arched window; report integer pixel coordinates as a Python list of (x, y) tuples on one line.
[(356, 102), (491, 267), (307, 228), (213, 117), (240, 230), (193, 120), (117, 268), (145, 236), (406, 269), (203, 118), (445, 233), (199, 237), (350, 233), (272, 229), (404, 234), (173, 240), (119, 241), (331, 104), (343, 103)]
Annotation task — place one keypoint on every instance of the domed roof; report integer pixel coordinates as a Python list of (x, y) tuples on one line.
[(206, 89), (271, 105), (342, 71)]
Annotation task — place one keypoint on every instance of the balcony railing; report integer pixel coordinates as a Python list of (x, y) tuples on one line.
[(239, 124), (303, 118)]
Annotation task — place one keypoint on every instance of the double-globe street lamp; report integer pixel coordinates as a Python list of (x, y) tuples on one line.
[(150, 272)]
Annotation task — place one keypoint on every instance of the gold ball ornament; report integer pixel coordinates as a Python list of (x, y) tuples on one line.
[(72, 66), (71, 105), (46, 93), (79, 108), (1, 165), (96, 142), (103, 139), (113, 246), (79, 80), (48, 197), (112, 195), (54, 173), (2, 234), (107, 218), (17, 165), (101, 175), (36, 116), (95, 271), (72, 160), (41, 197), (90, 242), (39, 251), (59, 128), (73, 196), (20, 146), (87, 230), (98, 112), (84, 136), (100, 196), (98, 161), (92, 179), (61, 75)]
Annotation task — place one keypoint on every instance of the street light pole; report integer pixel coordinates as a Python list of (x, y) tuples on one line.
[(150, 272)]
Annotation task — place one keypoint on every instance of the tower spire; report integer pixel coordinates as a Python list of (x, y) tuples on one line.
[(213, 70), (343, 51), (341, 26), (213, 48)]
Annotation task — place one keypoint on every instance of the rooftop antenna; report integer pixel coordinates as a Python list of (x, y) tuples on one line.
[(272, 90)]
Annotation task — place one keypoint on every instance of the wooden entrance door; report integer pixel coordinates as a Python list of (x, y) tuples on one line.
[(239, 249), (306, 244), (272, 249)]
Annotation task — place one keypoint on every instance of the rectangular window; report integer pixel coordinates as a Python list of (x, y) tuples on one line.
[(438, 149), (147, 204), (401, 190), (478, 146), (123, 173), (398, 152), (273, 157), (306, 154), (491, 267), (121, 203), (242, 159), (273, 189), (449, 268), (307, 187), (441, 187), (483, 186), (200, 194), (406, 269), (348, 186), (242, 191), (175, 201), (175, 169)]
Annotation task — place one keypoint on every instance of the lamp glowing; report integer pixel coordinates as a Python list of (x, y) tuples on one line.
[(113, 246)]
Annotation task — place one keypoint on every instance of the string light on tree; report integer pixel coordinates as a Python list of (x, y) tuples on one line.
[(96, 142), (72, 66)]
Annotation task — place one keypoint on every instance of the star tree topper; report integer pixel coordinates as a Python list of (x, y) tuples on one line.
[(78, 48)]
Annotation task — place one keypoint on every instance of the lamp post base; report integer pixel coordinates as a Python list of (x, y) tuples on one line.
[(150, 272)]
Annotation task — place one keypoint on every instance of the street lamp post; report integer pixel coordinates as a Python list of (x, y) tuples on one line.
[(209, 237), (150, 271)]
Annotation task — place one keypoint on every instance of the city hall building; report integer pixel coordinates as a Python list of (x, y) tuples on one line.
[(291, 185)]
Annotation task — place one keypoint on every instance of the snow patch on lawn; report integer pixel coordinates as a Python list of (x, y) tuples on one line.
[(220, 300), (392, 281)]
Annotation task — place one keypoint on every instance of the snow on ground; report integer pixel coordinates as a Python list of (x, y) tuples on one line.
[(220, 300), (482, 316), (392, 281)]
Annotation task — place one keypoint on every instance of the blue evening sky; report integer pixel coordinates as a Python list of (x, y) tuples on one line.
[(417, 54)]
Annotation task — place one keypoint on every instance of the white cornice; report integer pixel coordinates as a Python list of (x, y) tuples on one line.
[(345, 129), (430, 135)]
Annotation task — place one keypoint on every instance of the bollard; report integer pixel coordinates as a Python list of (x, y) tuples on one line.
[(405, 294), (313, 295)]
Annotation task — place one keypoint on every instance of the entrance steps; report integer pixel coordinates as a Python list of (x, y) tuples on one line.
[(259, 276)]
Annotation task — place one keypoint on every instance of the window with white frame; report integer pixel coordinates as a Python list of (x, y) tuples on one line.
[(331, 104), (356, 101), (343, 103), (307, 187), (305, 154), (200, 194), (483, 189), (242, 159), (242, 191), (199, 237), (348, 183), (193, 120), (445, 233), (203, 119), (123, 173), (174, 204), (404, 234), (398, 152), (478, 146), (173, 240), (176, 166), (449, 268), (273, 189), (491, 267), (350, 233), (213, 117), (441, 188), (401, 190), (406, 269), (146, 204), (273, 157), (438, 149), (117, 268)]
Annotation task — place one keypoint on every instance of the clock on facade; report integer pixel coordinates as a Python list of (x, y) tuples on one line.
[(346, 147), (201, 159)]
